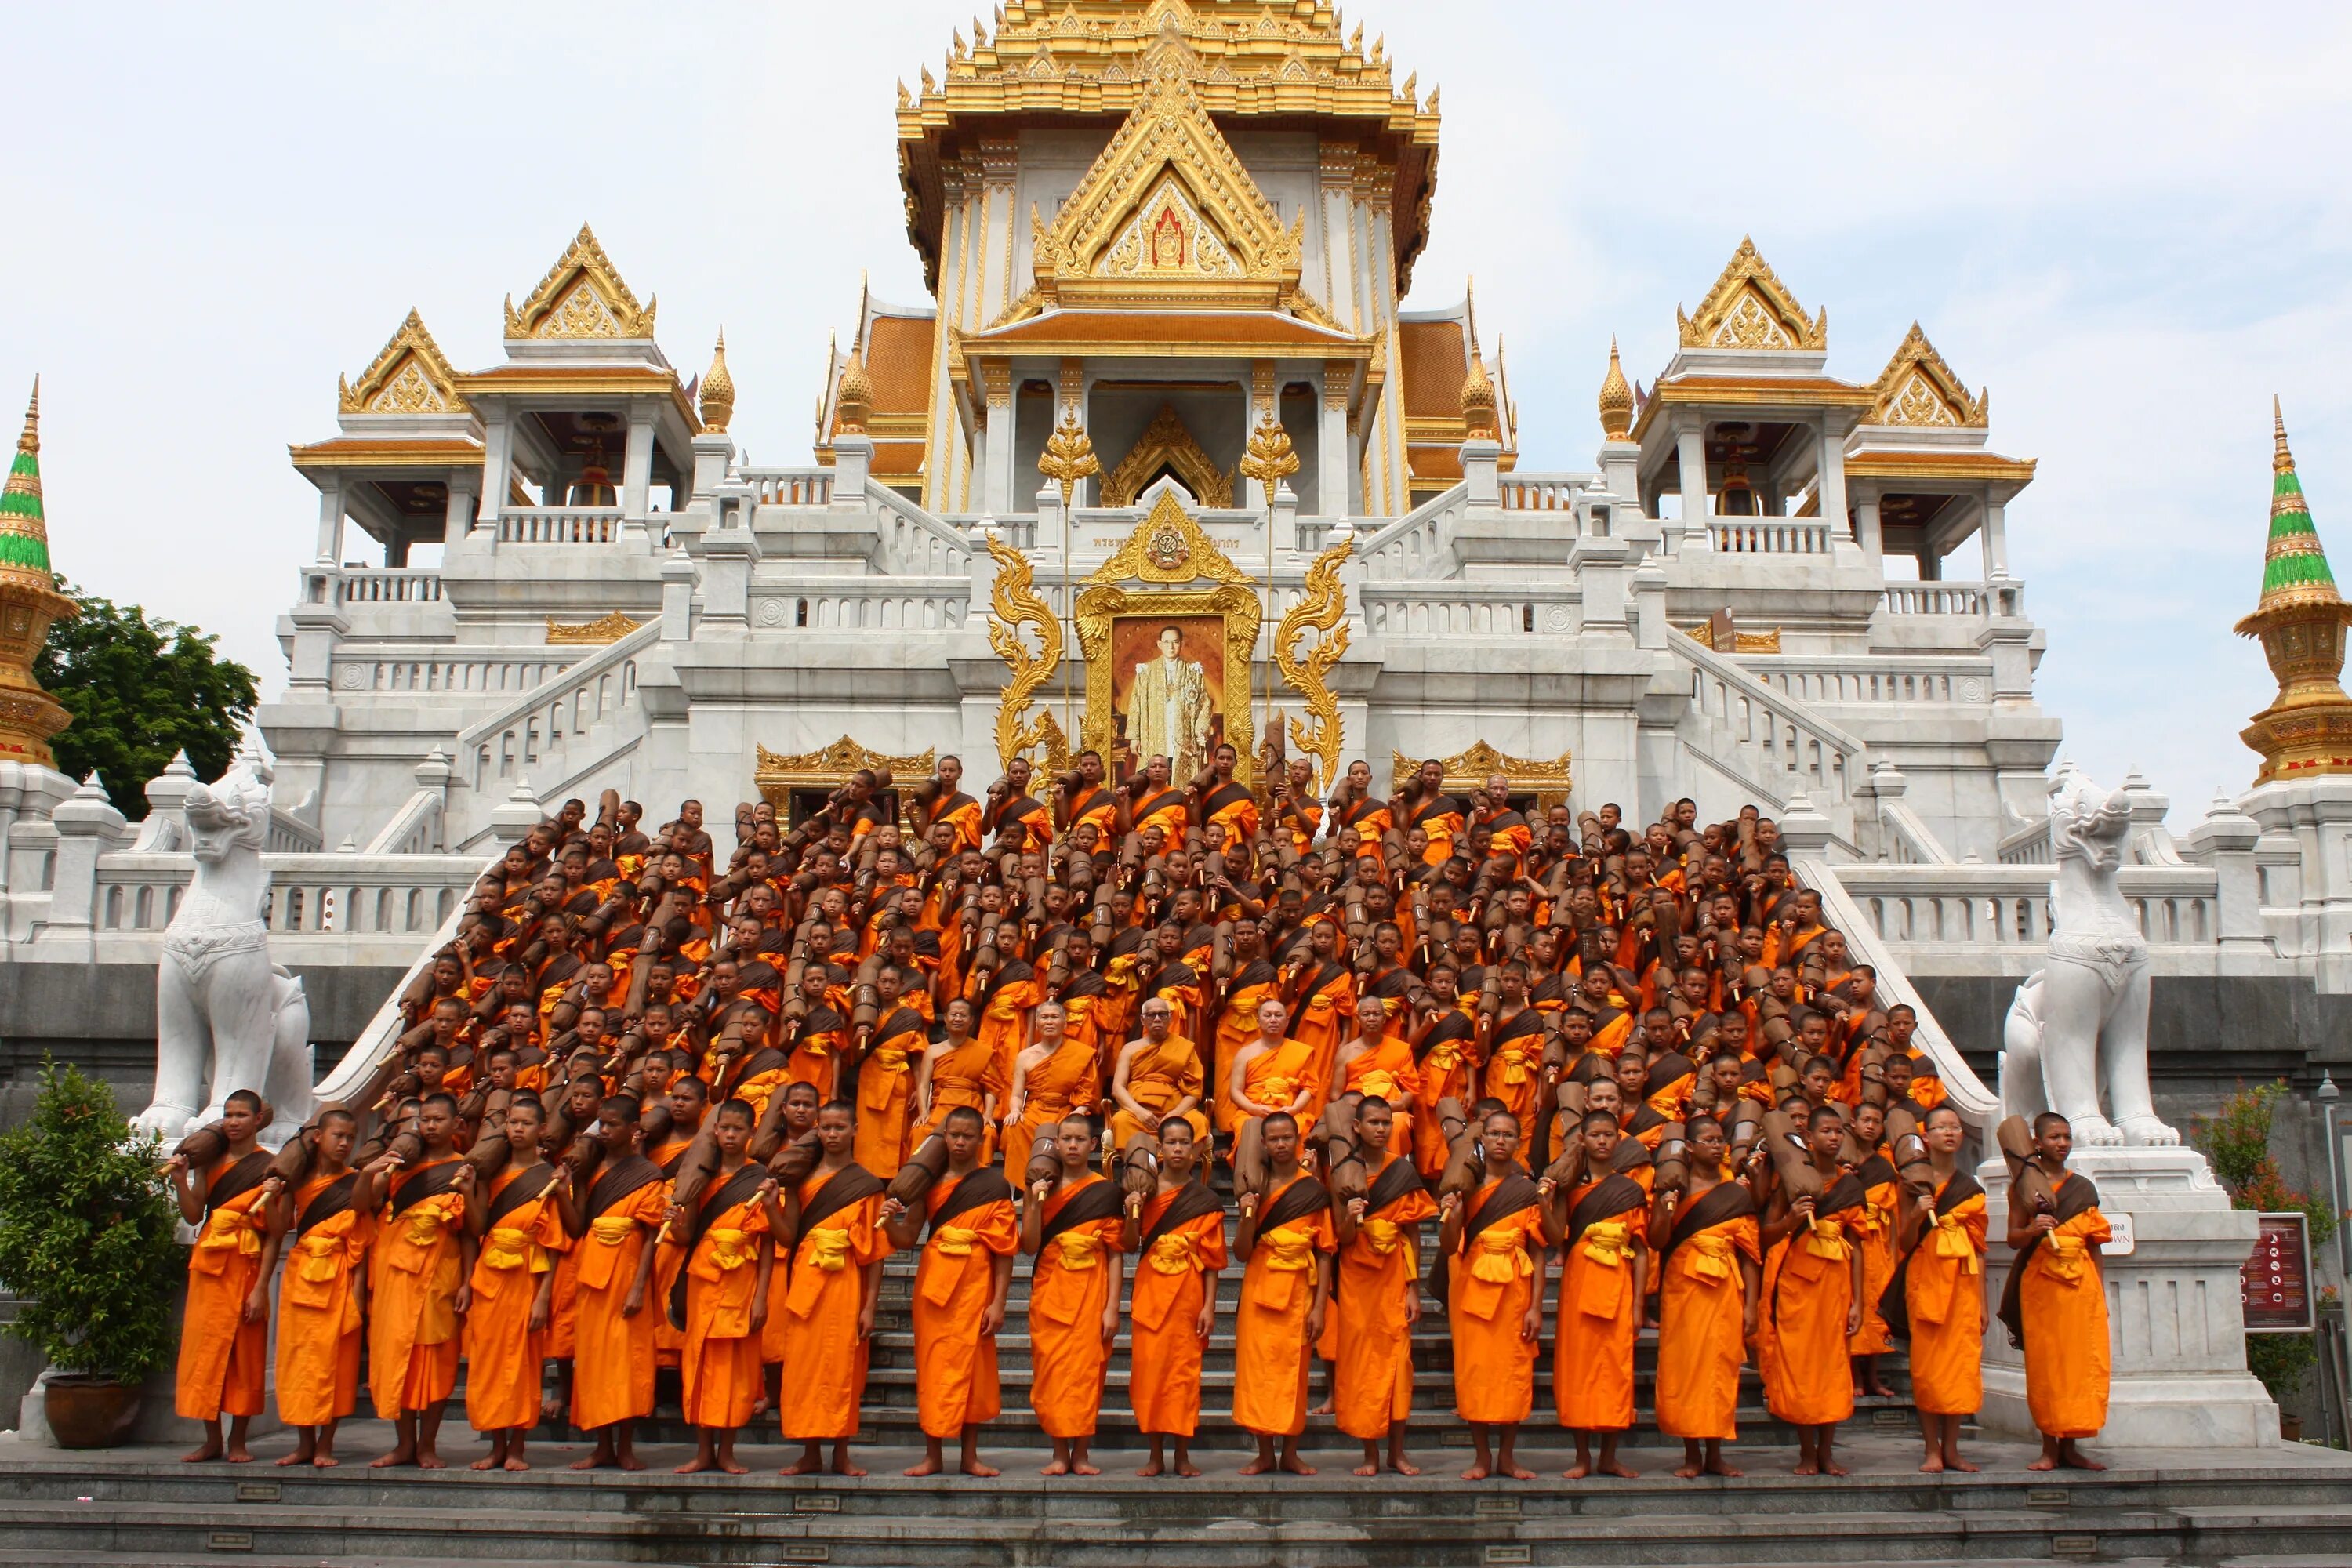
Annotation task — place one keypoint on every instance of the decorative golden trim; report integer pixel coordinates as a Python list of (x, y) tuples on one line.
[(778, 774), (410, 375), (1751, 308), (1101, 605), (1270, 458), (1703, 634), (1069, 455), (1016, 605), (1918, 388), (718, 391), (1168, 547), (1166, 441), (1548, 782), (582, 296), (1324, 608), (607, 628)]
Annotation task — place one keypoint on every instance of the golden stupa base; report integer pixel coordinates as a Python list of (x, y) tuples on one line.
[(2305, 739)]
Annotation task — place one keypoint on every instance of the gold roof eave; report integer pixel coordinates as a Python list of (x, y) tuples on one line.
[(1168, 333), (1796, 393), (1956, 468), (582, 381), (431, 452)]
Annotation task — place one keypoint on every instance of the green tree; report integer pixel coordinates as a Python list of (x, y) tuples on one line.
[(2236, 1140), (139, 690)]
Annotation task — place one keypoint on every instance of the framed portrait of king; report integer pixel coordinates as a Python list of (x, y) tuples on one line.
[(1168, 674)]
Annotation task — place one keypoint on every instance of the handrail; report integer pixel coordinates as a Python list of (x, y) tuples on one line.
[(1731, 673), (413, 817), (1371, 543), (890, 501), (575, 677), (1912, 832)]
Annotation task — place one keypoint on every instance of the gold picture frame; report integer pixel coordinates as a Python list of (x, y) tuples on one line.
[(1102, 607)]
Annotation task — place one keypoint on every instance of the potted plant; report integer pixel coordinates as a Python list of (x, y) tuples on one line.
[(87, 1244)]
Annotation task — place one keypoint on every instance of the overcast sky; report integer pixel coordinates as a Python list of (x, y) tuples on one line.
[(2131, 223)]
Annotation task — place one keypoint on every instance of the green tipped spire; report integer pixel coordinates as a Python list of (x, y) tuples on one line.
[(24, 531), (2295, 570)]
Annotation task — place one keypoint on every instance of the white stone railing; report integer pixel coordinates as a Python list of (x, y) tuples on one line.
[(509, 739), (1947, 911), (559, 524), (1541, 492), (289, 833), (315, 895), (1770, 535), (790, 487), (414, 829), (1420, 544), (1459, 608), (913, 543), (482, 674), (1772, 740), (1876, 679), (2026, 845), (895, 603), (388, 586), (1966, 599)]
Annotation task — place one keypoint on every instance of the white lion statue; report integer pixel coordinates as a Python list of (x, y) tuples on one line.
[(226, 1017), (2080, 1022)]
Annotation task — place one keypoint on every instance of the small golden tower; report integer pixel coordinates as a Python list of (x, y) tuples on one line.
[(1616, 400), (2301, 620), (718, 392), (1479, 421), (29, 603), (852, 402)]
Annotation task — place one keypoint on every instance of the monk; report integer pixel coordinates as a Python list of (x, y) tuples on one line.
[(1380, 1066), (1271, 1074), (1874, 1235), (519, 1229), (1710, 1268), (1179, 1235), (1940, 1289), (1378, 1284), (1490, 1244), (957, 1070), (1322, 998), (1057, 1076), (2055, 1304), (419, 1292), (962, 1282), (1157, 1077), (224, 1336), (326, 1235), (1286, 1236), (1812, 1299), (721, 1301), (1603, 1284), (612, 1228), (885, 1078), (837, 1250), (1071, 1226)]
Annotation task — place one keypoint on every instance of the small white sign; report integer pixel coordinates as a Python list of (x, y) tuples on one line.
[(2121, 1243)]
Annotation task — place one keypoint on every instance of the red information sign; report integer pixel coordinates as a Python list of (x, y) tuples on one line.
[(2276, 1280)]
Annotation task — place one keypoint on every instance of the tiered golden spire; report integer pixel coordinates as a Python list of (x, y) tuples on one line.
[(1616, 399), (1478, 412), (718, 395), (853, 401), (2307, 732), (29, 603)]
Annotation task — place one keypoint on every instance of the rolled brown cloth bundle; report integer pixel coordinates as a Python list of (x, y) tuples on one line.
[(203, 1145), (2029, 1185), (1464, 1166), (695, 1166), (796, 1160), (1138, 1167), (489, 1154), (1249, 1156), (1043, 1165), (1799, 1178), (1566, 1171), (921, 1172), (1784, 1077), (1908, 1152), (1672, 1160), (1747, 1128), (409, 1146), (293, 1161)]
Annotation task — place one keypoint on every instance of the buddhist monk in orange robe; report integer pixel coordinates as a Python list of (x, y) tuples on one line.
[(1939, 1289), (885, 1079), (1813, 1301), (1874, 1234), (1179, 1234), (1710, 1268), (1270, 1073), (1490, 1244), (1515, 1053), (1379, 1064), (224, 1336), (1056, 1075), (1253, 980), (1604, 1274), (721, 1301), (1446, 1051), (1286, 1237), (418, 1293), (518, 1231), (962, 1282), (688, 1100), (837, 1249), (958, 1071), (1322, 1000), (1071, 1225), (326, 1237), (612, 1226), (1378, 1286), (1157, 1076), (2056, 1304)]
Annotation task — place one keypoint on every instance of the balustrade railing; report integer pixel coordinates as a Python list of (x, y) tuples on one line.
[(1457, 608), (1538, 492), (388, 586), (512, 736), (309, 894), (1934, 599), (881, 603), (1773, 739), (2008, 905), (559, 525), (1877, 680), (1420, 544), (790, 487), (1770, 535), (476, 677)]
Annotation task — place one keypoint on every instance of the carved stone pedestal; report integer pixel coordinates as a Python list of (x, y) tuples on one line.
[(2175, 1323)]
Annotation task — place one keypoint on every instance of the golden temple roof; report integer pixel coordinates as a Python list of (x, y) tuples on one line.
[(1918, 388), (1751, 308), (582, 296), (410, 375)]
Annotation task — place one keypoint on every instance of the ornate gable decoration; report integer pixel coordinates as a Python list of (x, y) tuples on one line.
[(1166, 443), (1748, 308), (1918, 388), (580, 297), (1168, 216), (410, 377), (1168, 547)]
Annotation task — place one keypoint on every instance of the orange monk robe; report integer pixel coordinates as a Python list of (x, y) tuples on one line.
[(1449, 1066), (1069, 1289), (1274, 1078), (224, 1360), (1599, 1317), (1157, 1079), (1943, 1296), (412, 1306), (1701, 1307), (1379, 1274), (1004, 1021), (1167, 811), (886, 1083), (1514, 1063), (1492, 1281), (962, 813), (719, 1373), (1801, 1328), (824, 1361), (1064, 1084), (669, 1341), (1326, 1015), (1231, 806), (1236, 1027), (1097, 806), (318, 1320), (1183, 1247), (1116, 1009), (1271, 1349), (1874, 1232), (973, 1224), (2064, 1304), (816, 1052), (612, 1353), (504, 1357), (1389, 1072), (966, 1075)]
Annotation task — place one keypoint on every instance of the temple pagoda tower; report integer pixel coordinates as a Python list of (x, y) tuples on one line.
[(29, 604), (2301, 619)]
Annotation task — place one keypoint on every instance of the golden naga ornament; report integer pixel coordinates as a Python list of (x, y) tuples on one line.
[(606, 629), (1270, 458), (1014, 599), (1323, 609), (1069, 455)]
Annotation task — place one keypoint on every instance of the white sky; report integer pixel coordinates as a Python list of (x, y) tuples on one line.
[(2132, 222)]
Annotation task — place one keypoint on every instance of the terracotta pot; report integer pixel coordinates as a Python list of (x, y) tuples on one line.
[(86, 1410)]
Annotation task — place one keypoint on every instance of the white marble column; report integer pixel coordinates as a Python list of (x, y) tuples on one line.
[(331, 524), (637, 466), (1690, 447), (996, 494), (1865, 526), (1833, 485), (459, 517), (497, 464), (1993, 534), (1331, 444)]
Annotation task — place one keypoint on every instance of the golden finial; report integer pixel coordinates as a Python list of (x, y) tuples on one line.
[(1616, 399), (853, 401), (1478, 400), (718, 391), (1270, 458), (2282, 461), (1069, 455), (31, 441)]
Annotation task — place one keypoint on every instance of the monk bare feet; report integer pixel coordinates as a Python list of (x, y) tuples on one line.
[(974, 1468), (1154, 1467), (698, 1464), (1367, 1468), (516, 1466), (487, 1462), (1082, 1468), (1688, 1472), (408, 1457), (238, 1454), (1477, 1472), (202, 1454), (1188, 1469), (1622, 1472), (325, 1462), (1518, 1472), (1258, 1466), (1326, 1408), (1956, 1463), (631, 1462), (426, 1459), (929, 1467), (1296, 1465), (1055, 1467), (1832, 1467), (599, 1459), (1807, 1467), (1404, 1466), (1717, 1468), (1577, 1471), (2073, 1458), (803, 1466), (299, 1456), (1932, 1465)]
